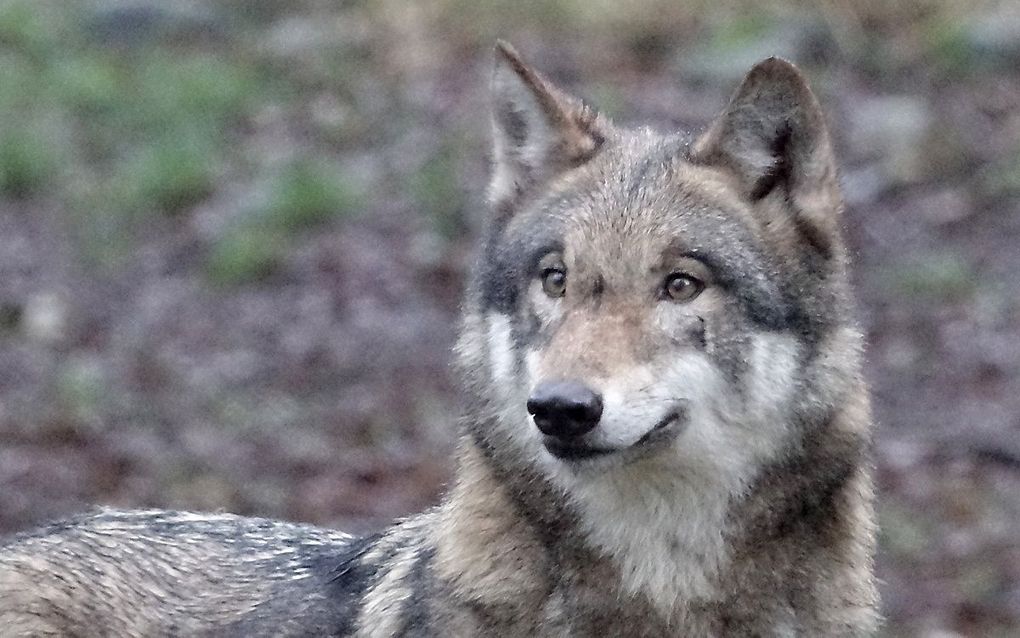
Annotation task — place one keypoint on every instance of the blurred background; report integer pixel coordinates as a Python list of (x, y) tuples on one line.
[(233, 236)]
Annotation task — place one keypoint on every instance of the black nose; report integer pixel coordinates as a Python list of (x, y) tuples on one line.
[(565, 409)]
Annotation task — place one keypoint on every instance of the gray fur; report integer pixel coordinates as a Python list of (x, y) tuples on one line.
[(767, 531)]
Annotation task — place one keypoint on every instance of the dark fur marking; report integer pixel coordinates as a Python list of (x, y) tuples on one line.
[(808, 484), (763, 305), (531, 327), (698, 334), (517, 337), (529, 492), (815, 237), (637, 180), (660, 157), (506, 266), (540, 250), (769, 313), (815, 508), (417, 612), (779, 172), (801, 322), (350, 579), (513, 123), (496, 278)]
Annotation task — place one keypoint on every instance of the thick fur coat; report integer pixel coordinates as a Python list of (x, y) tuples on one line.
[(712, 480)]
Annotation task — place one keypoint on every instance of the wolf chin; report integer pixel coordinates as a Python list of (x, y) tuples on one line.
[(666, 430)]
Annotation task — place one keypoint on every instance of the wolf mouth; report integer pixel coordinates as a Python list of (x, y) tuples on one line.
[(665, 430)]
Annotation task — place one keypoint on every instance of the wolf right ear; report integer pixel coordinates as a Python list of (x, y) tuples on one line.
[(538, 131)]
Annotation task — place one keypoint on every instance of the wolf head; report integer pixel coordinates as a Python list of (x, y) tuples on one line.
[(647, 305)]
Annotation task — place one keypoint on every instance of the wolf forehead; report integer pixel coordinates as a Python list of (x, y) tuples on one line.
[(639, 204)]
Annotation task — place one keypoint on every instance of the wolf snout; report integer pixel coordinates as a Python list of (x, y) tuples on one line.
[(565, 409)]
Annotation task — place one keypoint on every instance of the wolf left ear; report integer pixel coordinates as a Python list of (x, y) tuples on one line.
[(772, 137), (538, 131)]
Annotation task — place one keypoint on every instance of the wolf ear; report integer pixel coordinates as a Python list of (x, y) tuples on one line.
[(538, 131), (772, 137)]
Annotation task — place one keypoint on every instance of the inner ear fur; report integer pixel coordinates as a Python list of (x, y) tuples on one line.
[(772, 138)]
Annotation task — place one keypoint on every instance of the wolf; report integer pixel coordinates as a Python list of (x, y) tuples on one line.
[(666, 429)]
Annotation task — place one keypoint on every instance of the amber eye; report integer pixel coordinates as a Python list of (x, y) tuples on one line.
[(682, 287), (554, 281)]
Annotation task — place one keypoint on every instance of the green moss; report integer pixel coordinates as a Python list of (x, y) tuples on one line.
[(609, 97), (173, 174), (949, 47), (20, 89), (246, 254), (307, 194), (89, 82), (27, 163), (80, 388), (903, 532), (29, 27), (438, 195), (196, 88), (942, 277), (1001, 178), (740, 30)]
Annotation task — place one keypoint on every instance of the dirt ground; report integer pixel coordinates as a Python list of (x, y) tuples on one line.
[(233, 238)]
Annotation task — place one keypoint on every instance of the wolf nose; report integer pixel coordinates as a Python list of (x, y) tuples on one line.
[(565, 409)]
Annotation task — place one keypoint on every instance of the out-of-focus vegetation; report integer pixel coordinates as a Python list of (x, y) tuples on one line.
[(233, 235)]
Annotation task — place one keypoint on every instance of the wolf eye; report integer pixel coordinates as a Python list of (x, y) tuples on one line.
[(682, 287), (554, 281)]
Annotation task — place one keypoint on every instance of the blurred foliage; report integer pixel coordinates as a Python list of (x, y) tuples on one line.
[(306, 194), (437, 191), (902, 533), (943, 277), (246, 254), (1002, 178), (145, 125), (27, 163)]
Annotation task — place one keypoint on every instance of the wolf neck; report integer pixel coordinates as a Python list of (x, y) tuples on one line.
[(664, 534), (672, 547), (658, 547)]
